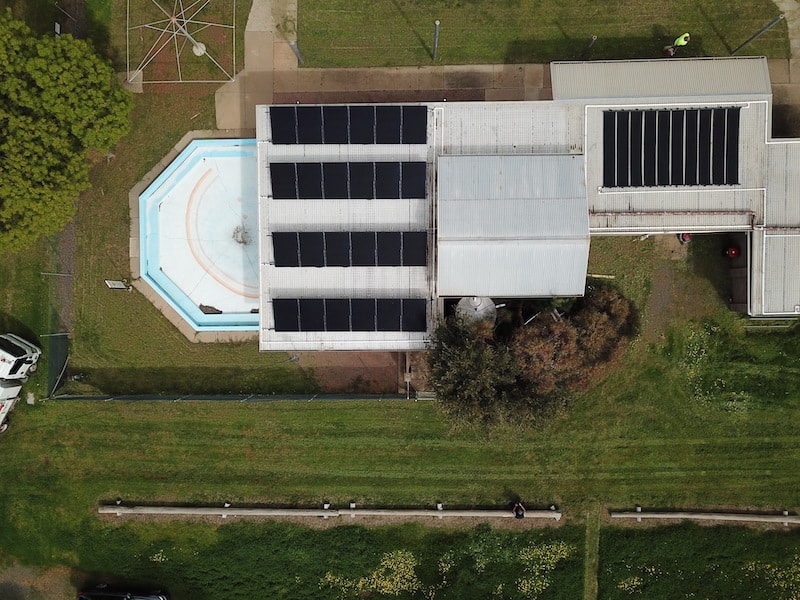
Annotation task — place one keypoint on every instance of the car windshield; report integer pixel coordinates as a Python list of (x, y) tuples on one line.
[(11, 348)]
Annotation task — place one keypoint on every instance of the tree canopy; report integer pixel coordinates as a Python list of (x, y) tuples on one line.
[(479, 378), (58, 102)]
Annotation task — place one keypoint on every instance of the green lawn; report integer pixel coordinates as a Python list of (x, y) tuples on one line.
[(400, 32), (689, 561)]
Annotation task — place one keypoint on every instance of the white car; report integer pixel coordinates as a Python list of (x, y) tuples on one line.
[(9, 394), (18, 358)]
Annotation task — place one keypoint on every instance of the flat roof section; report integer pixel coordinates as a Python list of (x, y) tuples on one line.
[(635, 80)]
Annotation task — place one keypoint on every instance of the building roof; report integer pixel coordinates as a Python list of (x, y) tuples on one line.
[(512, 226), (634, 80)]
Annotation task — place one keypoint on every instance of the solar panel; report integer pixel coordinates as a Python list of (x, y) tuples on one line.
[(350, 314), (284, 180), (285, 249), (309, 124), (286, 313), (312, 314), (312, 249), (362, 180), (334, 179), (387, 124), (335, 124), (356, 249), (337, 314), (337, 249), (387, 180), (671, 147), (415, 248), (389, 314), (362, 314), (284, 124), (415, 125), (362, 124), (363, 248), (309, 180), (414, 316), (389, 247), (357, 124)]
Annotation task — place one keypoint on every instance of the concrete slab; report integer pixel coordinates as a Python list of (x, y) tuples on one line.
[(785, 94), (505, 94), (538, 94), (778, 70), (508, 76), (260, 17), (533, 76), (431, 78), (546, 81), (258, 51), (283, 57), (284, 81), (228, 102), (475, 76), (794, 70)]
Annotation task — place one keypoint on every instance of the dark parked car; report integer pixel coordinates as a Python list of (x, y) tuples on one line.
[(116, 592)]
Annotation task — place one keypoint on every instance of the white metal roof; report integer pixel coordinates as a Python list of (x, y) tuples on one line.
[(512, 226), (634, 80)]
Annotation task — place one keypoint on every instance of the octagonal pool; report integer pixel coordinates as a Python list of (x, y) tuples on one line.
[(199, 235)]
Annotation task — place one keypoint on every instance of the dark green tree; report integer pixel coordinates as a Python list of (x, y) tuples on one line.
[(59, 101), (474, 381)]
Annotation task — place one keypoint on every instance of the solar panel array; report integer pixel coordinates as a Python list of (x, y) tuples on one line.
[(349, 314), (341, 180), (359, 124), (350, 249), (671, 147)]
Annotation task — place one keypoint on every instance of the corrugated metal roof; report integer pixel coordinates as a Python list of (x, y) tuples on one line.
[(783, 184), (781, 282), (509, 127), (665, 78), (512, 226)]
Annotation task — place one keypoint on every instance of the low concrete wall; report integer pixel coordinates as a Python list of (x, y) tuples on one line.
[(785, 518), (181, 511)]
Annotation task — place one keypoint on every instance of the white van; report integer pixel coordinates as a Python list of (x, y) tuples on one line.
[(18, 358), (9, 394)]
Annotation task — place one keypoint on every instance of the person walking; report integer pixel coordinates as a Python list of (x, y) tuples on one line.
[(681, 40)]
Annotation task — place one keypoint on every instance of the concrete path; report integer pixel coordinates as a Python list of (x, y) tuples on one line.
[(271, 74)]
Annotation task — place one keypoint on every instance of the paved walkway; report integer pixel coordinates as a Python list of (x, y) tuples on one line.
[(271, 74)]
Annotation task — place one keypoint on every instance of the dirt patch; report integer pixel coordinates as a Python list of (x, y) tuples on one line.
[(18, 582), (353, 372), (676, 292)]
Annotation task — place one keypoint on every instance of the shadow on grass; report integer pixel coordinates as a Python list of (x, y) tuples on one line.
[(530, 50), (707, 259), (197, 380), (9, 324)]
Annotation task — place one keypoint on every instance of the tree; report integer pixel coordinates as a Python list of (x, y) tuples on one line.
[(549, 355), (472, 379), (58, 102)]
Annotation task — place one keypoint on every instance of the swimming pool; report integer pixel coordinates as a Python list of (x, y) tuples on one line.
[(198, 228)]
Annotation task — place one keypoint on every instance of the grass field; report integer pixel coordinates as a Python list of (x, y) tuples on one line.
[(400, 32), (657, 431), (688, 561)]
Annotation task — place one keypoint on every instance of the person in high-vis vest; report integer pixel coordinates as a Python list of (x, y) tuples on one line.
[(681, 40)]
